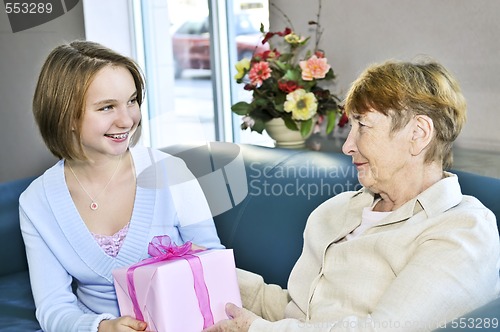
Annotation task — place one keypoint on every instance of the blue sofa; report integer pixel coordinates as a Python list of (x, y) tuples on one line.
[(263, 221)]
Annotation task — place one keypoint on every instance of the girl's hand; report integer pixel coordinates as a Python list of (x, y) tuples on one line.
[(122, 324)]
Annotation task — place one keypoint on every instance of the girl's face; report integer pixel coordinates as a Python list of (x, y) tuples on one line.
[(111, 114)]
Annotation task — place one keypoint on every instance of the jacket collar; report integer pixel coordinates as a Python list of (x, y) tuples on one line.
[(441, 196)]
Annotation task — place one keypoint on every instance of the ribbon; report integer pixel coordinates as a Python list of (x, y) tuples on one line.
[(160, 249)]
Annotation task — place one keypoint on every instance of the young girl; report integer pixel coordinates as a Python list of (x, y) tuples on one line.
[(99, 206)]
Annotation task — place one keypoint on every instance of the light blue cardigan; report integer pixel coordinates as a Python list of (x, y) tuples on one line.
[(60, 248)]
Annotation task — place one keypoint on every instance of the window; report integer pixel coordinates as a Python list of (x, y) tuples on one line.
[(190, 86)]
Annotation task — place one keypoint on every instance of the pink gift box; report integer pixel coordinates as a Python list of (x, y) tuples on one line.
[(166, 295)]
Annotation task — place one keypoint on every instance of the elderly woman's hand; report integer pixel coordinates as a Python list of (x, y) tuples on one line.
[(239, 320)]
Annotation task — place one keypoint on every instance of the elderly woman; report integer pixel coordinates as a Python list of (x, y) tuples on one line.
[(408, 251)]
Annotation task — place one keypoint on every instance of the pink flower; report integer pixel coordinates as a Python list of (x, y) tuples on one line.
[(314, 67), (259, 72)]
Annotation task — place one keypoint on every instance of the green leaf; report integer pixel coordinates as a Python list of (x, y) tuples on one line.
[(292, 74), (306, 85), (258, 126), (290, 124), (260, 102), (306, 127), (305, 41), (284, 58), (279, 104), (330, 124), (330, 75), (241, 108)]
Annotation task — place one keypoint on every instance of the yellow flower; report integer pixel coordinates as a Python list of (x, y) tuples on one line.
[(294, 39), (242, 67), (301, 104)]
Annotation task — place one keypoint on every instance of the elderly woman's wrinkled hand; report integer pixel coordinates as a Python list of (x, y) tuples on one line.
[(239, 320)]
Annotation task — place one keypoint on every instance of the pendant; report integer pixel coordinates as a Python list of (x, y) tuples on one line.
[(94, 206)]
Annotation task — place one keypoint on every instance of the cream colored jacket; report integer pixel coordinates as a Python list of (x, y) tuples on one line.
[(433, 259)]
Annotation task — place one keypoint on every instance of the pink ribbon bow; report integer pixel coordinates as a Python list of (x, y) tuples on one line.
[(160, 249)]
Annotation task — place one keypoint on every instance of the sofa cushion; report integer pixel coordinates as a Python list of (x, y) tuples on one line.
[(17, 309), (12, 256), (485, 318)]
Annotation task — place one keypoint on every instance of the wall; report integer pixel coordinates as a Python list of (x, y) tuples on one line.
[(110, 23), (22, 152), (461, 34)]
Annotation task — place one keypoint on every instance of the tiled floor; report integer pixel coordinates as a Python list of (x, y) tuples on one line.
[(479, 162)]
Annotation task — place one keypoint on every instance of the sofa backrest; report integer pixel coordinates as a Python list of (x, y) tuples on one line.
[(484, 188), (284, 187)]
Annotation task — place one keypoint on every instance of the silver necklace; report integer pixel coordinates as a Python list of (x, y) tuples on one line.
[(93, 204)]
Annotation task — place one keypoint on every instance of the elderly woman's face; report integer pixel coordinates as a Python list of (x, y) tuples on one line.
[(379, 156)]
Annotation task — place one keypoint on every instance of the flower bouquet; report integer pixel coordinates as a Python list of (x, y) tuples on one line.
[(286, 82)]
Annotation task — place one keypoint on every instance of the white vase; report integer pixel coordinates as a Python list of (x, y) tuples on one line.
[(284, 137)]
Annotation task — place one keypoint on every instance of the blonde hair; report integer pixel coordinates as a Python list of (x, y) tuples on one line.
[(59, 99), (402, 90)]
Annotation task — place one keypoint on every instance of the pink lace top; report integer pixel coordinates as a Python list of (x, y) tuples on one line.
[(111, 244)]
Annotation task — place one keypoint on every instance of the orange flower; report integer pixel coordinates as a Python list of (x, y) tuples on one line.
[(314, 67), (259, 72)]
